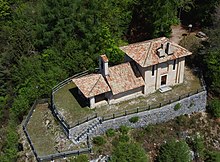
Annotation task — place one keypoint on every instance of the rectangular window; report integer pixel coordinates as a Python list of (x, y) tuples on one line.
[(174, 64), (153, 69)]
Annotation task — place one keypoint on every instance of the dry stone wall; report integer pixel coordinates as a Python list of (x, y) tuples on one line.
[(189, 105)]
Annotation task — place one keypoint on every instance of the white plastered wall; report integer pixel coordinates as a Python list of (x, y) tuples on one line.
[(176, 76), (126, 95)]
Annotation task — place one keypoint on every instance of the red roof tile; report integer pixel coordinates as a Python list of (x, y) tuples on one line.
[(145, 53), (124, 77), (91, 85)]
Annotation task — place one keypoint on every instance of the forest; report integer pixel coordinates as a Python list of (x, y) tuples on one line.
[(42, 42)]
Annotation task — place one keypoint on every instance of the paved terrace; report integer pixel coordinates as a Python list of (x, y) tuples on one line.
[(74, 109)]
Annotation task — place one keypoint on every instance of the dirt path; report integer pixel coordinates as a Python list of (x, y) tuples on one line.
[(177, 32)]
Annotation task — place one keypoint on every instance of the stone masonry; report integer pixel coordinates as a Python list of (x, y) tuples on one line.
[(188, 105)]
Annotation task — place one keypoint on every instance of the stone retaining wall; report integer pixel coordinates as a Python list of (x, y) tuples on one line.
[(189, 105)]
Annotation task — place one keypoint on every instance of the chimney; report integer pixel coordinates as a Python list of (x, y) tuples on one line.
[(103, 65), (169, 49)]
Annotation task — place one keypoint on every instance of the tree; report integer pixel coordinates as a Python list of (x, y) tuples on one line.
[(200, 14), (129, 152), (154, 18), (174, 151), (209, 55), (214, 108), (4, 9)]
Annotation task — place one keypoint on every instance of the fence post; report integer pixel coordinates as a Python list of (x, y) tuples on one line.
[(100, 121), (137, 110)]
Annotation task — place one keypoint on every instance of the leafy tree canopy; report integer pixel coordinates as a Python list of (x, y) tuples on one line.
[(129, 152), (174, 151)]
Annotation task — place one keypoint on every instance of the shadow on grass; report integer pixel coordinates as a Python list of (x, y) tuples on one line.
[(82, 101)]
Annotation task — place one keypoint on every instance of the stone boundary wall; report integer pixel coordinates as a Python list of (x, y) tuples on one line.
[(189, 105)]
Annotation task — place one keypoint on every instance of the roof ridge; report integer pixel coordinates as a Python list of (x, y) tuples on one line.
[(95, 84), (148, 52)]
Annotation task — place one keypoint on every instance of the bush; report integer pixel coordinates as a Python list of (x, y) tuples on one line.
[(128, 152), (134, 119), (212, 156), (110, 132), (149, 128), (174, 151), (191, 104), (80, 158), (124, 138), (214, 108), (181, 120), (198, 146), (124, 129), (177, 106), (99, 140)]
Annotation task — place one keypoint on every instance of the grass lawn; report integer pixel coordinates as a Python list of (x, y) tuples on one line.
[(73, 109), (70, 105), (46, 134)]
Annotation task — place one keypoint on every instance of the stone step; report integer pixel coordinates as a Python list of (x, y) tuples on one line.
[(84, 134), (86, 129)]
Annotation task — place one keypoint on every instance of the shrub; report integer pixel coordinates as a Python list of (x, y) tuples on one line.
[(191, 104), (177, 106), (80, 158), (134, 119), (181, 120), (214, 108), (128, 152), (149, 128), (174, 151), (124, 129), (212, 156), (99, 140), (110, 132), (124, 138), (198, 146)]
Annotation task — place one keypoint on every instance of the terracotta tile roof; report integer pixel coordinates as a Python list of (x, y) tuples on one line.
[(91, 85), (104, 58), (145, 53), (124, 77)]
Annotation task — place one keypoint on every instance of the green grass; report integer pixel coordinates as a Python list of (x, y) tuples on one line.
[(71, 106), (73, 110), (45, 139)]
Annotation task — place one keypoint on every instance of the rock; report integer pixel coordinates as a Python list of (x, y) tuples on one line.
[(47, 122), (218, 120)]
